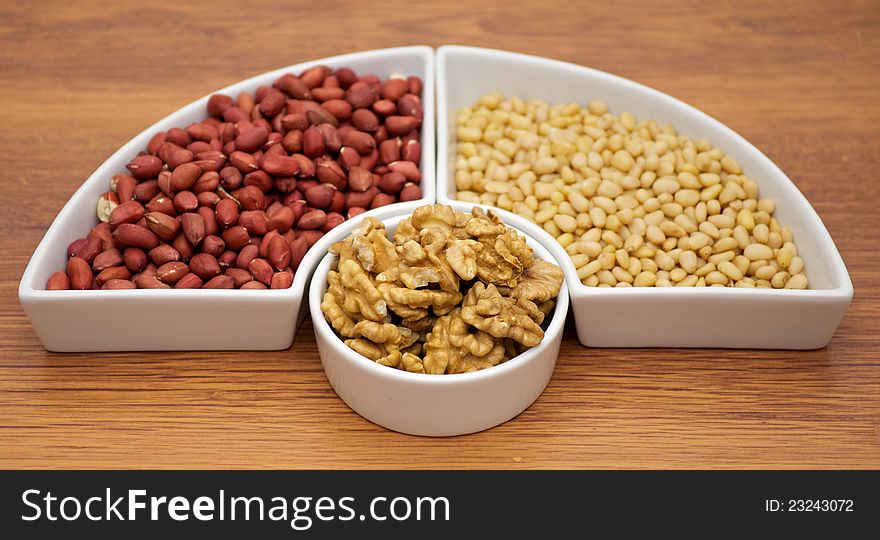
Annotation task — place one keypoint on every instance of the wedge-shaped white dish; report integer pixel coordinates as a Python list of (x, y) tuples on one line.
[(129, 320), (436, 405), (657, 317)]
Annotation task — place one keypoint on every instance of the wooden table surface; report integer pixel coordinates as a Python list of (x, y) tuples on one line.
[(798, 79)]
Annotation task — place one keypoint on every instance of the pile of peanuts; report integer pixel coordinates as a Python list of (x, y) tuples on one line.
[(633, 203), (236, 200)]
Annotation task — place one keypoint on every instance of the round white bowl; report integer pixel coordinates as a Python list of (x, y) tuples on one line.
[(167, 320), (436, 405)]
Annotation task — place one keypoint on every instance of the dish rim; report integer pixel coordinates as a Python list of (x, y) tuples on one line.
[(323, 331), (28, 290), (837, 267)]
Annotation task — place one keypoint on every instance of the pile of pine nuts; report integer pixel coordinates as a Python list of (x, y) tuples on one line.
[(633, 203)]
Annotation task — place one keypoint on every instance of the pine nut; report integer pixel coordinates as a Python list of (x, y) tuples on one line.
[(565, 239), (677, 274), (628, 198), (565, 223), (621, 275), (688, 261), (724, 256), (742, 262), (645, 279), (745, 218), (730, 270), (545, 165), (797, 281), (796, 266), (670, 228), (766, 205), (778, 281), (580, 260), (758, 252), (591, 249), (689, 281), (589, 269), (741, 235), (704, 270), (607, 259), (635, 266), (783, 257), (725, 244), (578, 201), (551, 228), (644, 251), (607, 278), (765, 272), (544, 215), (664, 261), (716, 278)]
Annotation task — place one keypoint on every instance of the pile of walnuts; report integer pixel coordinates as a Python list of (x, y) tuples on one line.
[(449, 293)]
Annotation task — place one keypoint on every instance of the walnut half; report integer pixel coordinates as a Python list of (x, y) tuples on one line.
[(450, 292)]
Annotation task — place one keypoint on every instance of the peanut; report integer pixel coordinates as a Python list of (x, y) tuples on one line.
[(275, 169)]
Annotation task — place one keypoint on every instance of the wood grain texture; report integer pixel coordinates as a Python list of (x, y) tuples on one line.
[(798, 79)]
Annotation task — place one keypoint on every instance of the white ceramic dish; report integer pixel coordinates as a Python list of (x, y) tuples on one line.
[(129, 320), (435, 405), (658, 317)]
